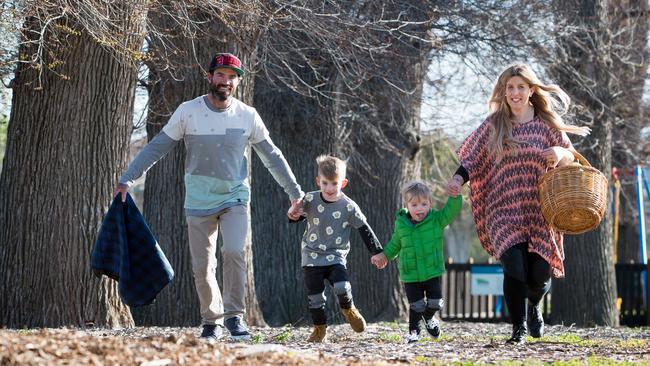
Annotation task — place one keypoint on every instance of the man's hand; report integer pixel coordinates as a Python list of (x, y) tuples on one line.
[(295, 211), (122, 189), (379, 260)]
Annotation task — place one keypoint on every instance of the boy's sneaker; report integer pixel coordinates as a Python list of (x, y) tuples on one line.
[(354, 317), (211, 333), (237, 328), (433, 327), (414, 336)]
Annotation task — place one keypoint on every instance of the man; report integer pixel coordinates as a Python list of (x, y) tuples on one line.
[(216, 129)]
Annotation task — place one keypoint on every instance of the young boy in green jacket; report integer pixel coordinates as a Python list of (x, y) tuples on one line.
[(418, 241)]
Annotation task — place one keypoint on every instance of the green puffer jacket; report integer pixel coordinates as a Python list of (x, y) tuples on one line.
[(420, 246)]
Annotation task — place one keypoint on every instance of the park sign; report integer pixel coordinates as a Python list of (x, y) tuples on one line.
[(486, 280)]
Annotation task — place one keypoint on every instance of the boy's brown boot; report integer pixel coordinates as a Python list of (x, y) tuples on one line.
[(356, 320), (318, 334)]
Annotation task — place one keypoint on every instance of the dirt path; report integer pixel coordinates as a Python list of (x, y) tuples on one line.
[(382, 343)]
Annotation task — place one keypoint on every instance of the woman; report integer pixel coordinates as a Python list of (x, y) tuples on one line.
[(503, 159)]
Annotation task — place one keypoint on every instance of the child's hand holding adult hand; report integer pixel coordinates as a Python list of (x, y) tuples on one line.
[(379, 260), (454, 185), (295, 211)]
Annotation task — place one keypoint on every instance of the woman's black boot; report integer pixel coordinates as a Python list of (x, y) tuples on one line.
[(535, 321), (519, 333)]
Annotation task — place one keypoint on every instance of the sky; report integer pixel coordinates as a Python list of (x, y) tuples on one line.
[(454, 97)]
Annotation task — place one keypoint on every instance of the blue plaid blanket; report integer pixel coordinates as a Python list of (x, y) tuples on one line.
[(127, 252)]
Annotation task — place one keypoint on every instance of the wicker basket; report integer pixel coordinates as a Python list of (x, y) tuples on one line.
[(573, 197)]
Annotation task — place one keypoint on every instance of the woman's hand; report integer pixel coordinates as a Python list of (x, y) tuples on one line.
[(454, 185), (557, 156)]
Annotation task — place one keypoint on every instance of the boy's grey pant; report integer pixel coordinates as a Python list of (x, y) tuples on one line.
[(203, 232)]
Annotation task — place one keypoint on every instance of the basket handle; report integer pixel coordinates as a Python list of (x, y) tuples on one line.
[(581, 159)]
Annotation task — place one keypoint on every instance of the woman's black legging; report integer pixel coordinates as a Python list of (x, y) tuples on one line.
[(526, 276)]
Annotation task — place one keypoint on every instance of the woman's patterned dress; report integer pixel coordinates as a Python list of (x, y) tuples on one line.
[(504, 194)]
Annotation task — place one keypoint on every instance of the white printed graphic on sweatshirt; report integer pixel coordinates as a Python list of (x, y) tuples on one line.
[(328, 237)]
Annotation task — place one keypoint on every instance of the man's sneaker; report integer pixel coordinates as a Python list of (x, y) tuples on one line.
[(237, 328), (354, 317), (535, 321), (433, 327), (414, 336), (318, 334), (211, 333)]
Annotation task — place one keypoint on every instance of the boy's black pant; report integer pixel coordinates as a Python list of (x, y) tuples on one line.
[(416, 293), (525, 276), (315, 277)]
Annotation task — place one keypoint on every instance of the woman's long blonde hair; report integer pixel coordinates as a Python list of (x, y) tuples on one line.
[(550, 103)]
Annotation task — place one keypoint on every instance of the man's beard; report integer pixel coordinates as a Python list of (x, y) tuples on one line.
[(221, 96)]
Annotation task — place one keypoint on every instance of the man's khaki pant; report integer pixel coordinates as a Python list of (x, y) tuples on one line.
[(203, 233)]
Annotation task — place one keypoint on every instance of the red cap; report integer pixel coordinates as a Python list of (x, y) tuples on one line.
[(226, 60)]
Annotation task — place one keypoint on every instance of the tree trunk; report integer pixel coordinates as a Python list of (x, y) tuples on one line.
[(375, 183), (381, 148), (164, 194), (302, 128), (630, 69), (587, 295), (384, 163), (68, 138), (174, 78)]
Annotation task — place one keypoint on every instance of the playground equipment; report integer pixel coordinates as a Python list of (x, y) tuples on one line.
[(641, 181)]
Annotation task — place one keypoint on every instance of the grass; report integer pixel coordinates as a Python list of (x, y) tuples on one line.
[(632, 343), (389, 337), (392, 325), (593, 360), (566, 338), (284, 336), (589, 361), (257, 338), (574, 339)]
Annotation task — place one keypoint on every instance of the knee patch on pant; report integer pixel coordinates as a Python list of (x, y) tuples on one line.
[(343, 291), (418, 306), (342, 288), (317, 301), (435, 304)]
